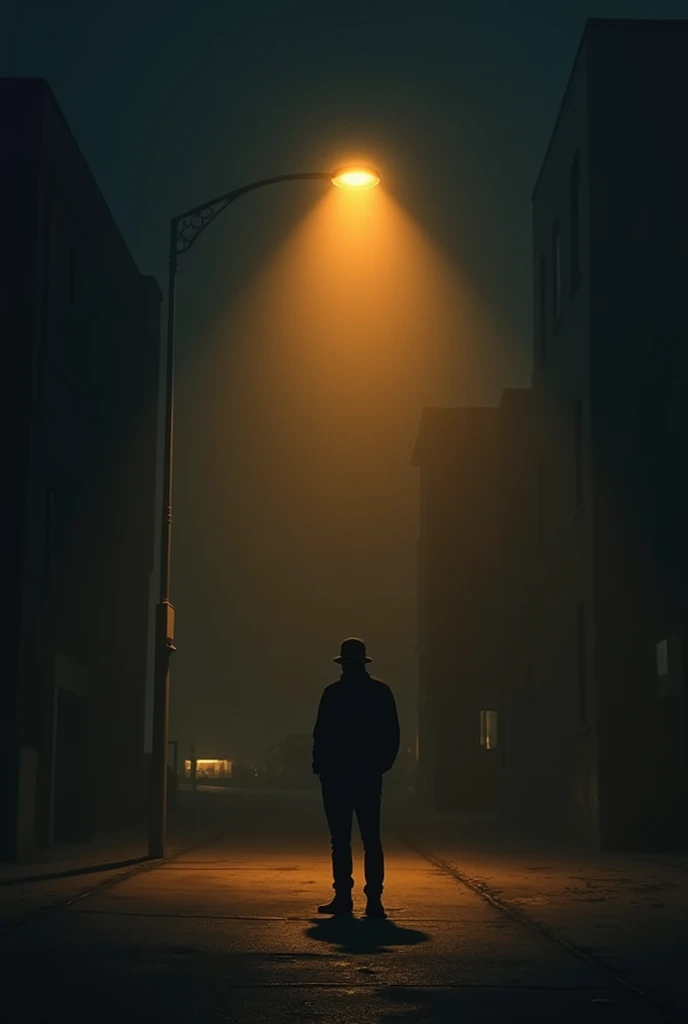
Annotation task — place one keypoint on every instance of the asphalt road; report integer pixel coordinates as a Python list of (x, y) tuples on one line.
[(229, 933)]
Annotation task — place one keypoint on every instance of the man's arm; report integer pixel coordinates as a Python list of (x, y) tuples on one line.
[(392, 731), (319, 732)]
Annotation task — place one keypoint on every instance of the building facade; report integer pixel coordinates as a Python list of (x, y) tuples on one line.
[(519, 706), (80, 340), (576, 633), (457, 452), (599, 751)]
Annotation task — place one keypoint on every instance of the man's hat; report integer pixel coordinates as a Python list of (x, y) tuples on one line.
[(352, 649)]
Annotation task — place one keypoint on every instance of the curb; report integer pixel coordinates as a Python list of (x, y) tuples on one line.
[(138, 866), (90, 869), (517, 914)]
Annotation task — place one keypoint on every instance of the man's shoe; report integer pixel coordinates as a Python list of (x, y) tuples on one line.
[(374, 908), (339, 906)]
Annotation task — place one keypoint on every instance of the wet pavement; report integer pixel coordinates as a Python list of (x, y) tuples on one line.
[(228, 932)]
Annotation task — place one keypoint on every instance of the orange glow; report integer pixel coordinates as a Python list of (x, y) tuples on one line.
[(312, 390), (303, 400), (355, 177), (356, 307), (209, 766)]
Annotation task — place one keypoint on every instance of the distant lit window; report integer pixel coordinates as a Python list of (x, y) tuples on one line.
[(209, 767), (575, 222), (556, 274), (488, 729)]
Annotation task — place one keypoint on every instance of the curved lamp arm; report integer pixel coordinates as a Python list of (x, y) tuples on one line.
[(189, 225), (184, 230)]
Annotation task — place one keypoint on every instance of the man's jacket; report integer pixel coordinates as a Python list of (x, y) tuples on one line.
[(357, 728)]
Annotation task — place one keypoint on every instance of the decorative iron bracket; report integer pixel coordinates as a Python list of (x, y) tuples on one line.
[(188, 226), (191, 225)]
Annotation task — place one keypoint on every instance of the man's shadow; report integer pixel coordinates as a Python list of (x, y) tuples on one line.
[(361, 935)]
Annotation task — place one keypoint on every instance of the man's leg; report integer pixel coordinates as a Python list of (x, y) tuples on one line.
[(338, 804), (368, 799)]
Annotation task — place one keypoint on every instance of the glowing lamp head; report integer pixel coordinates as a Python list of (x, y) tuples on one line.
[(355, 177)]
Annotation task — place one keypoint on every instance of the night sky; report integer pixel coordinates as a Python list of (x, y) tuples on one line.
[(310, 338)]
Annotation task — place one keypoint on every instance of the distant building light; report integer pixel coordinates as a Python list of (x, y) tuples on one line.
[(488, 730), (209, 766)]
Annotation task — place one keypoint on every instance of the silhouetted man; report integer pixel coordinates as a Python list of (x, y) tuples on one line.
[(355, 741)]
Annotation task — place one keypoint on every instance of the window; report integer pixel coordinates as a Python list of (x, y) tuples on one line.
[(575, 222), (542, 313), (578, 446), (670, 672), (541, 503), (208, 767), (674, 401), (556, 274), (488, 730), (72, 276), (49, 541), (581, 659)]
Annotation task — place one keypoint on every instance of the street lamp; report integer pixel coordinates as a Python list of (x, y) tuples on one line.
[(355, 177), (184, 230)]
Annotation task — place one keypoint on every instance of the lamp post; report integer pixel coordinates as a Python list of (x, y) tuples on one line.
[(184, 230)]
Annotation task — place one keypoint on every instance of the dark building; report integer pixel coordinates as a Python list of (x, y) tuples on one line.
[(577, 636), (599, 746), (457, 452), (519, 708), (80, 344)]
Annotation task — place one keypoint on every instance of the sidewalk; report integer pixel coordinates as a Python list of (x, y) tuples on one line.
[(626, 912), (64, 874), (230, 933)]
